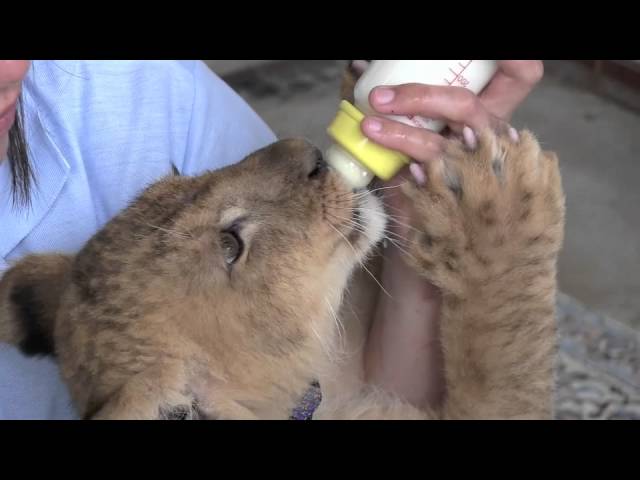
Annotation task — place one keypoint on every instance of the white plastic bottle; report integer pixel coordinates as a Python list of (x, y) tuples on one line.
[(359, 159)]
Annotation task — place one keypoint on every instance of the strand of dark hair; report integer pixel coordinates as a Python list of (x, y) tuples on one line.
[(22, 176)]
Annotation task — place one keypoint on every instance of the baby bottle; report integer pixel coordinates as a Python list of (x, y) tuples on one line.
[(359, 159)]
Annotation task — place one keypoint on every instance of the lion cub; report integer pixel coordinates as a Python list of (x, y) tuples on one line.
[(209, 297), (216, 296)]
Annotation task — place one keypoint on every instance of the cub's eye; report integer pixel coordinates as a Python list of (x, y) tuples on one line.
[(232, 247)]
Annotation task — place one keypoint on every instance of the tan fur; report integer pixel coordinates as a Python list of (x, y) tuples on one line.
[(43, 278), (490, 243), (499, 335), (151, 319)]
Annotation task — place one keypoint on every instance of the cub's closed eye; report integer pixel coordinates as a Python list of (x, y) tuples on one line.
[(232, 246)]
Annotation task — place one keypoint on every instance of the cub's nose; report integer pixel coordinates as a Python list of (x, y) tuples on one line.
[(318, 167), (300, 155)]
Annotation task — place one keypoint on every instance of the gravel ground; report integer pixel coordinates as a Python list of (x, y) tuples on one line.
[(598, 369)]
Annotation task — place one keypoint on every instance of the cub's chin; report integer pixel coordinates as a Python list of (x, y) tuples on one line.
[(369, 221)]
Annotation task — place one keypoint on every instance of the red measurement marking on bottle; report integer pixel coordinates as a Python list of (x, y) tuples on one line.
[(457, 77)]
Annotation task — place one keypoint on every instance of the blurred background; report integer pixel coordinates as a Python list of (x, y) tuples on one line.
[(589, 113)]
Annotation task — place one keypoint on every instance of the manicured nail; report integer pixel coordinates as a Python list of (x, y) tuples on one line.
[(470, 138), (383, 95), (418, 173), (515, 136), (373, 125)]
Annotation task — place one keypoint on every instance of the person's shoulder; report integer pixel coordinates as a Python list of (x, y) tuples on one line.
[(165, 74), (83, 68), (75, 91), (111, 108), (119, 76)]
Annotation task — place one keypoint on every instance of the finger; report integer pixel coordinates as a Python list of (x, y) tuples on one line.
[(359, 66), (455, 105), (420, 144), (513, 82), (527, 72)]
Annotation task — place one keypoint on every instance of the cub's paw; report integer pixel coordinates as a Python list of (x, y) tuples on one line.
[(486, 206)]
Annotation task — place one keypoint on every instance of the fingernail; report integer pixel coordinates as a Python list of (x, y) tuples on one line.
[(515, 136), (470, 138), (383, 95), (418, 173), (372, 125)]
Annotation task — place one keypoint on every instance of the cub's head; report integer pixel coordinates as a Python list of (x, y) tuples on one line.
[(250, 259)]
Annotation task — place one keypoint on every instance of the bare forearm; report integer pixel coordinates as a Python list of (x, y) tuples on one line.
[(403, 354)]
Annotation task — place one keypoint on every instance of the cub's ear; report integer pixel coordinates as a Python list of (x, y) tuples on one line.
[(30, 295)]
